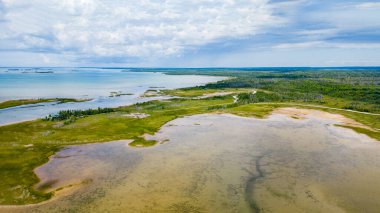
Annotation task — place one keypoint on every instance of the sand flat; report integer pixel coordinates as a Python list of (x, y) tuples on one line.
[(300, 113), (226, 163)]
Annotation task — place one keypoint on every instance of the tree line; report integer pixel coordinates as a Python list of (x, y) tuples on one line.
[(70, 114)]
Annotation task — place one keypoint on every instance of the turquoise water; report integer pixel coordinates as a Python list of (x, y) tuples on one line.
[(88, 83)]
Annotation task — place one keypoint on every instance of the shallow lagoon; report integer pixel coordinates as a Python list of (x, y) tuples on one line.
[(82, 83), (220, 163)]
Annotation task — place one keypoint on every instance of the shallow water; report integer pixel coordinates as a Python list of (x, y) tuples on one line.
[(82, 83), (221, 163)]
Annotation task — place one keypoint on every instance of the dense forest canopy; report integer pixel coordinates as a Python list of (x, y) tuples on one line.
[(354, 89)]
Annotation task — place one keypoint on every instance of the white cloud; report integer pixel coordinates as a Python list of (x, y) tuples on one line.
[(162, 32), (369, 5), (132, 28), (324, 44), (350, 16)]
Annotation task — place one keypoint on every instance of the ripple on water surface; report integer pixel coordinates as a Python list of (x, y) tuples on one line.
[(221, 163)]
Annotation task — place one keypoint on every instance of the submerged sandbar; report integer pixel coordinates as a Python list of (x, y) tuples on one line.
[(224, 163)]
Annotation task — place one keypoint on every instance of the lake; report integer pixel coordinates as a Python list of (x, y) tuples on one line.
[(82, 83)]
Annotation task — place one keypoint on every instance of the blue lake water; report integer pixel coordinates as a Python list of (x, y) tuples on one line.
[(86, 83)]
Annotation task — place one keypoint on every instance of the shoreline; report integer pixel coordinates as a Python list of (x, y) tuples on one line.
[(302, 106), (191, 102), (8, 104), (31, 101), (289, 112), (299, 113)]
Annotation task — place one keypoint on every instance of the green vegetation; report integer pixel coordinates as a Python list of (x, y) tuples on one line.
[(73, 114), (370, 133), (18, 158), (352, 89), (251, 110), (197, 92), (13, 103), (141, 142), (25, 146), (118, 94), (261, 96)]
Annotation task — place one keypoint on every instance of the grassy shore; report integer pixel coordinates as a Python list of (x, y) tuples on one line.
[(13, 103), (25, 146)]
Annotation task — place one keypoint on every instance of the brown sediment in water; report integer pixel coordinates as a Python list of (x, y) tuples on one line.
[(299, 113), (226, 163), (90, 161)]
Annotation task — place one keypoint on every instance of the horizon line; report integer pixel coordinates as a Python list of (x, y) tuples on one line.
[(217, 67)]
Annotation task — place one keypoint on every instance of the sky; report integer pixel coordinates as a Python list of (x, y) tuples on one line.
[(184, 33)]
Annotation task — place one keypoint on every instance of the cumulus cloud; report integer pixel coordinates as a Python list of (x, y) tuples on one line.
[(165, 31), (143, 28)]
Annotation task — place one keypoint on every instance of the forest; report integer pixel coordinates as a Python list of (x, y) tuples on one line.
[(348, 89), (72, 114)]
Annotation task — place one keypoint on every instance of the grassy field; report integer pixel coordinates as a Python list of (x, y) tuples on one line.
[(198, 92), (25, 146), (36, 140), (13, 103)]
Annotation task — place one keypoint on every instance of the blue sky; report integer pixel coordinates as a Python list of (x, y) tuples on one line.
[(177, 33)]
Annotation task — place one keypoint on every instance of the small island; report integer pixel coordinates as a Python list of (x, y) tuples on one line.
[(14, 103)]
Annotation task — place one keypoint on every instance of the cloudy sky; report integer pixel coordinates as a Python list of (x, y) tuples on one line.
[(184, 33)]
